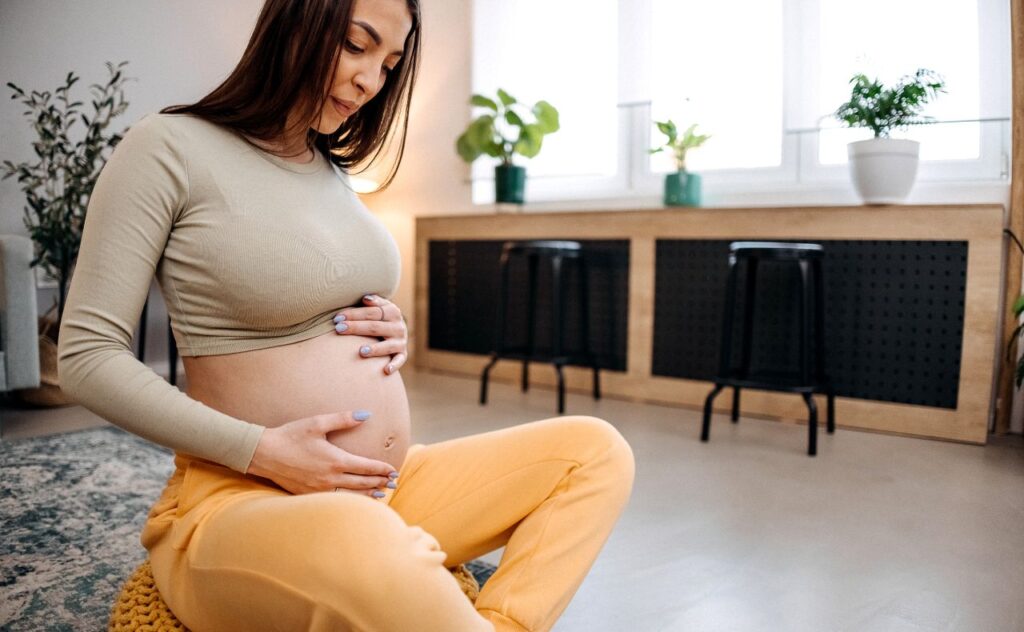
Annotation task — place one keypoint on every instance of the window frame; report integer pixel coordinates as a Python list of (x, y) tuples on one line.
[(800, 178)]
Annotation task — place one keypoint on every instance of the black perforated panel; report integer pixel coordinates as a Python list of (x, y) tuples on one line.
[(464, 299), (893, 316)]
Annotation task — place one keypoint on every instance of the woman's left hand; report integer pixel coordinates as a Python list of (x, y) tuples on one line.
[(383, 319)]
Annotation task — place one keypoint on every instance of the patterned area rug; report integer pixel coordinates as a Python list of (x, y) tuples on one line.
[(72, 507)]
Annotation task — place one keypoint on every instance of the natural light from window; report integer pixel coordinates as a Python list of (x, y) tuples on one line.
[(761, 77), (564, 52), (938, 35), (725, 73)]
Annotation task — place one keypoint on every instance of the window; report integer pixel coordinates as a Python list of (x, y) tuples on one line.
[(947, 39), (729, 80), (527, 48), (761, 76)]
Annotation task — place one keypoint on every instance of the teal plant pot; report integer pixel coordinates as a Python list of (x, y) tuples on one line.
[(682, 188), (509, 184)]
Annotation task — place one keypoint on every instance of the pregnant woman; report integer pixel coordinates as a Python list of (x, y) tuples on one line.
[(297, 502)]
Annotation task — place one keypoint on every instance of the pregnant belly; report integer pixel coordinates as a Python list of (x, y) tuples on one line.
[(324, 374)]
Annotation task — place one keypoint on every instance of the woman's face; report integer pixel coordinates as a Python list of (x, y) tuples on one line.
[(372, 47)]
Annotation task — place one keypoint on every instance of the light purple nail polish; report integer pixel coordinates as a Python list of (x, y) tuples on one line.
[(365, 350), (392, 485), (340, 327), (339, 318), (378, 494), (361, 415)]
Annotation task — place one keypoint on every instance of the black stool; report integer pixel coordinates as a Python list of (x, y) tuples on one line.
[(808, 257), (555, 251), (172, 346)]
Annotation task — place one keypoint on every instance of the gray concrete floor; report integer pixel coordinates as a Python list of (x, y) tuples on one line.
[(747, 533)]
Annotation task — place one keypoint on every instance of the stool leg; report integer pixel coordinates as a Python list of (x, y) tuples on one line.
[(561, 389), (706, 428), (499, 329), (748, 317), (725, 352), (831, 421), (805, 323), (499, 336), (141, 355), (531, 317), (819, 321), (557, 329), (483, 378), (812, 424), (172, 355), (819, 314), (585, 320), (735, 404)]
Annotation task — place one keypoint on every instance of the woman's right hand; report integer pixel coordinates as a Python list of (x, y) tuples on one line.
[(298, 457)]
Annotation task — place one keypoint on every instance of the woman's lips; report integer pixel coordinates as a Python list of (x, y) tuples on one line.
[(344, 108)]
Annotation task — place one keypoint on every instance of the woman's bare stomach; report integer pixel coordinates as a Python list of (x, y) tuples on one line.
[(324, 374)]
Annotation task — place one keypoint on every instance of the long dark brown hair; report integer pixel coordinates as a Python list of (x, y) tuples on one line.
[(290, 63)]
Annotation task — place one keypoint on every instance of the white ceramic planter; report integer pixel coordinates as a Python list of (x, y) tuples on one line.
[(883, 169)]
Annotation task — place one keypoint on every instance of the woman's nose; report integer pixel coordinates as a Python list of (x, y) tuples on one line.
[(367, 82)]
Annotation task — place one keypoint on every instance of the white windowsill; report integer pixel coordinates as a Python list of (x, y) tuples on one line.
[(761, 195)]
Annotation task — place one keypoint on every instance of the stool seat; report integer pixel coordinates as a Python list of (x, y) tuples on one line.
[(777, 250), (554, 251), (811, 377), (544, 246)]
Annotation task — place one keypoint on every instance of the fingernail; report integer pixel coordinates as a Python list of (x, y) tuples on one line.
[(369, 297), (389, 368), (365, 350), (339, 318), (340, 327), (361, 415), (392, 474), (378, 494), (392, 484)]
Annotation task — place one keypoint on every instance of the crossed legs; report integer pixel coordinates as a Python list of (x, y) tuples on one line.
[(549, 491)]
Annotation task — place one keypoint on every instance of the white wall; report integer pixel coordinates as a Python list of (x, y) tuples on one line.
[(180, 50)]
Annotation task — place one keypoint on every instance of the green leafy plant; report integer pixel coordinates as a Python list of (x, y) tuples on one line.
[(679, 145), (882, 109), (59, 183), (1018, 309), (503, 130)]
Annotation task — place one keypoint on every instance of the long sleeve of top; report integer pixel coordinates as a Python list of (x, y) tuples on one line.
[(250, 251)]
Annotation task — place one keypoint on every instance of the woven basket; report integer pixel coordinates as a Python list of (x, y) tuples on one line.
[(139, 606)]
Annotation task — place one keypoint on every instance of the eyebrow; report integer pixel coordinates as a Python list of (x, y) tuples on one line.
[(375, 35)]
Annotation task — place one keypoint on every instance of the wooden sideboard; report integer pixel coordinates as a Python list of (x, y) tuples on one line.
[(926, 267)]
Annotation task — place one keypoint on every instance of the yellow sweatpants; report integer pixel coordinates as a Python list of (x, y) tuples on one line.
[(237, 552)]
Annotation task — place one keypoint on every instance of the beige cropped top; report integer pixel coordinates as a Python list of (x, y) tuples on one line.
[(249, 250)]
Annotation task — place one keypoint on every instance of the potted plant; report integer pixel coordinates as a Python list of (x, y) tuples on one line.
[(883, 168), (682, 188), (57, 187), (503, 131)]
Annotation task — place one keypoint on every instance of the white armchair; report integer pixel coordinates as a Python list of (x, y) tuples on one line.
[(19, 327)]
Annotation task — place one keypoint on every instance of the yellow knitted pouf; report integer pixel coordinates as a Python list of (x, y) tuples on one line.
[(140, 608)]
